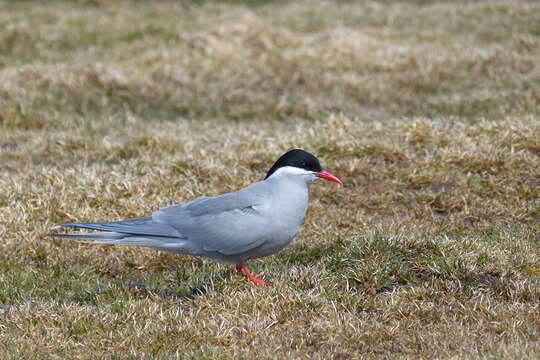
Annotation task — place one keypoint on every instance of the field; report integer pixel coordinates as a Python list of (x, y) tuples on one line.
[(429, 111)]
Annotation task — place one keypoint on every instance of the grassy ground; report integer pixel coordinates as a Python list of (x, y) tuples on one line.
[(428, 111)]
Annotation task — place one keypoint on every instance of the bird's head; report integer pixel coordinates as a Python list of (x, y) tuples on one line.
[(300, 164)]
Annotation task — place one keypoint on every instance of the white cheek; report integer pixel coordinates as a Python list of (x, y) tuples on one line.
[(311, 177)]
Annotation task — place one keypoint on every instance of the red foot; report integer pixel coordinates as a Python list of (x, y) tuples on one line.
[(256, 280)]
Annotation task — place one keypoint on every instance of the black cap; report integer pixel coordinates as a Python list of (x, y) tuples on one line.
[(297, 158)]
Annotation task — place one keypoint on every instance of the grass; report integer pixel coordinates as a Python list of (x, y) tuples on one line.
[(429, 111)]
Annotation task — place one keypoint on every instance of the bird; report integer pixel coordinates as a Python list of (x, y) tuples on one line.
[(256, 221)]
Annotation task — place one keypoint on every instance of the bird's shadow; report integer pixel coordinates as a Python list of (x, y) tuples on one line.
[(183, 288)]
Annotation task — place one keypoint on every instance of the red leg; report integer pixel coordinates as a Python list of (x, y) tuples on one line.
[(256, 280)]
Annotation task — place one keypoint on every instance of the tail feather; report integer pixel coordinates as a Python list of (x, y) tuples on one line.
[(139, 226), (105, 236), (114, 238)]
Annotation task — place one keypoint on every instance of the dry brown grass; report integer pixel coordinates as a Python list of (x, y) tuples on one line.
[(429, 111)]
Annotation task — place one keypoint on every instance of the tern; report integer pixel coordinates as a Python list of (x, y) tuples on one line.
[(256, 221)]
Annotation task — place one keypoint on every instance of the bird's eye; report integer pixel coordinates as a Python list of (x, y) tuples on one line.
[(304, 164)]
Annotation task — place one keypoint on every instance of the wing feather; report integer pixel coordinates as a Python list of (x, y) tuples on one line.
[(140, 226), (230, 224)]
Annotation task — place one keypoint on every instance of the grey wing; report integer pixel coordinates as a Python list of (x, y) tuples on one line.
[(232, 223), (139, 226)]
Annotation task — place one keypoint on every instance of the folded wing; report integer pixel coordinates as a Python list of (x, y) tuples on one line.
[(230, 224), (140, 226)]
